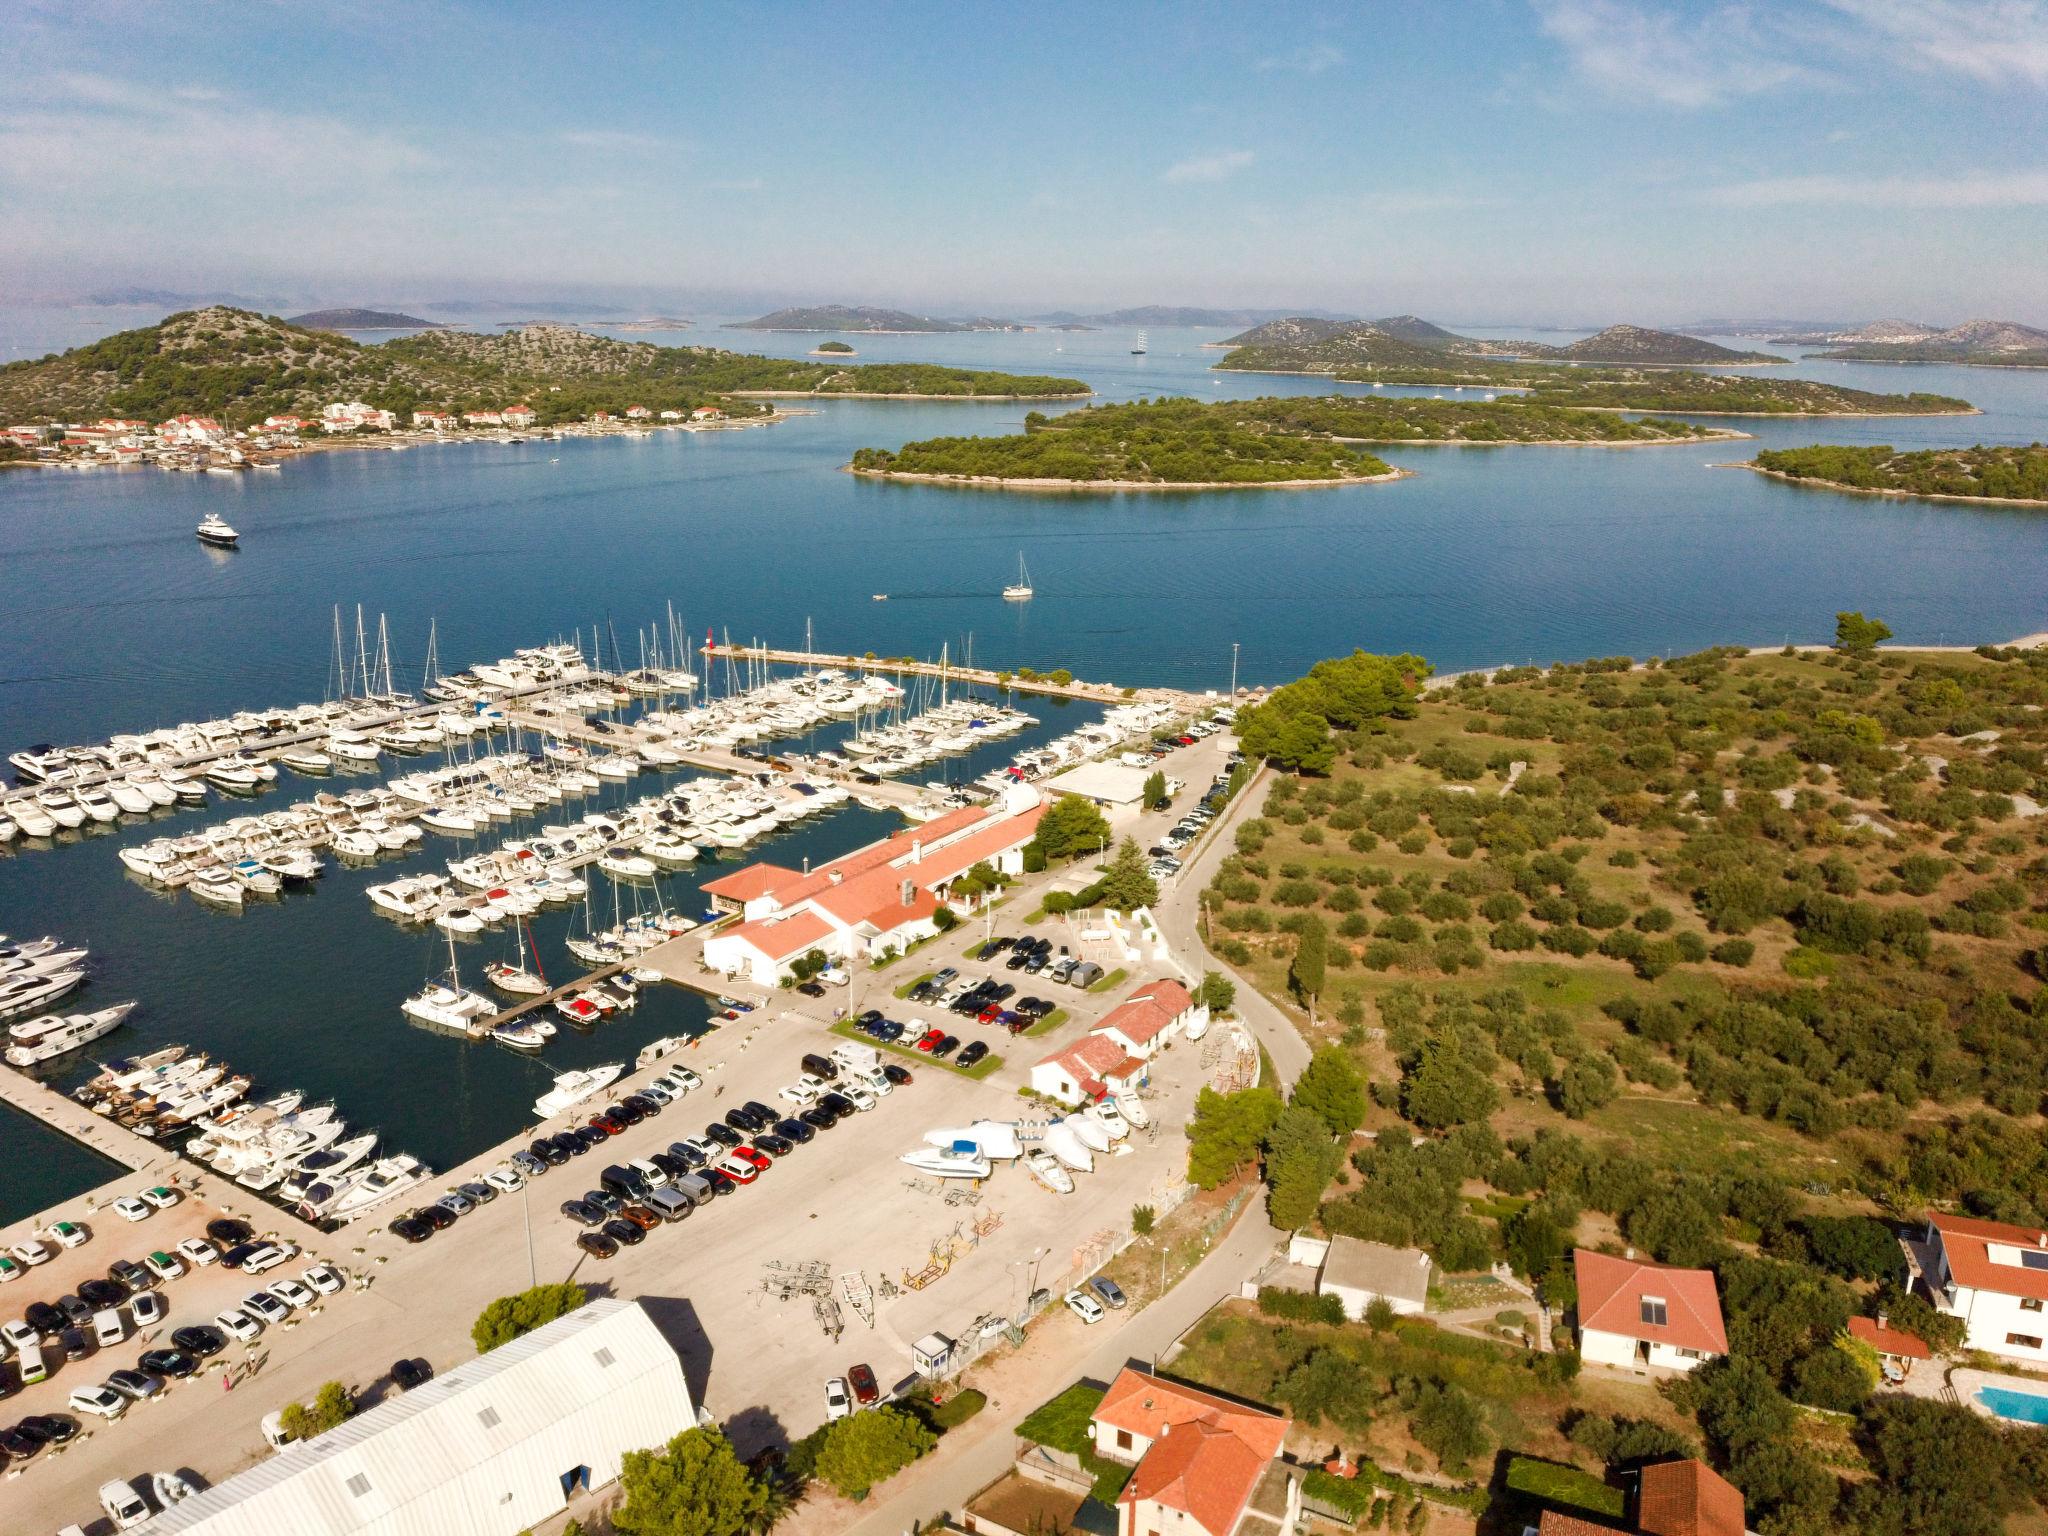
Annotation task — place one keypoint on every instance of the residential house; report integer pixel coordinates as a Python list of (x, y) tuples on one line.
[(1202, 1465), (1994, 1276), (1896, 1348), (881, 897), (707, 413), (285, 424), (1633, 1313), (637, 413), (671, 415), (1671, 1498), (439, 421), (519, 416), (1146, 1021), (191, 429), (1359, 1273), (484, 418)]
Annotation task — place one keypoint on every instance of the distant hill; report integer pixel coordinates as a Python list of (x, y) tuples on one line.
[(1991, 342), (1880, 331), (362, 320), (240, 366), (1641, 346), (845, 317), (554, 309), (1378, 340)]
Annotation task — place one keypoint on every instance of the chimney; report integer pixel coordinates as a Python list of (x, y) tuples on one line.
[(1630, 1254), (838, 875), (1883, 1320), (916, 850)]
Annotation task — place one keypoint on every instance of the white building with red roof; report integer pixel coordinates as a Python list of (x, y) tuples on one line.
[(519, 416), (484, 418), (884, 896), (1199, 1460), (1112, 1057), (439, 421), (191, 429), (285, 423), (1994, 1276), (637, 413), (1633, 1313)]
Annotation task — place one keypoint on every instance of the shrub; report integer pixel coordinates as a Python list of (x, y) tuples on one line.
[(1300, 1306), (1737, 952), (510, 1317), (1143, 1218)]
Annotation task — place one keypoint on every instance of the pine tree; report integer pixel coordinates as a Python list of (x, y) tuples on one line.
[(1305, 974)]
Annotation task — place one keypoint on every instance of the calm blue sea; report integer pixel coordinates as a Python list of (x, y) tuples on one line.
[(116, 619)]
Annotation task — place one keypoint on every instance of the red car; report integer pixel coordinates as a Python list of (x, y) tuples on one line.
[(862, 1380), (928, 1041), (1186, 741), (610, 1122), (759, 1161), (991, 1013)]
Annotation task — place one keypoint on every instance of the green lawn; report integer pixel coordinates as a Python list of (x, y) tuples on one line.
[(1063, 1425), (1048, 1024), (1551, 1483), (978, 1071), (1110, 981)]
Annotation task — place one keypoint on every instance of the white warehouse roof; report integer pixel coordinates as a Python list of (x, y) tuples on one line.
[(1112, 784), (488, 1449)]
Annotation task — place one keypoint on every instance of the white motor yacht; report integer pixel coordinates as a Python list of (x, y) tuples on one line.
[(523, 1035), (27, 992), (1045, 1169), (573, 1088), (214, 530), (217, 887), (130, 797), (963, 1160), (1133, 1109), (1063, 1144), (385, 1179), (327, 1163), (55, 1035), (1107, 1116), (1093, 1133)]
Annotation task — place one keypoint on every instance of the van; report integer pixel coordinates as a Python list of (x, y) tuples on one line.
[(31, 1365), (821, 1066), (622, 1181), (693, 1187), (875, 1080), (670, 1204), (833, 976), (1086, 974), (108, 1328), (650, 1172), (274, 1433), (856, 1057)]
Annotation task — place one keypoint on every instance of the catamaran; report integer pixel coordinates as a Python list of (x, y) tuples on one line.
[(1019, 591)]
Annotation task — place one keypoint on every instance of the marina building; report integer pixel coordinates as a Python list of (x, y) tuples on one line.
[(884, 896), (490, 1449)]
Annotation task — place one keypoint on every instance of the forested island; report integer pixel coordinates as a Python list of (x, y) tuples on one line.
[(1160, 444), (848, 317), (362, 320), (239, 367), (1405, 419), (1983, 473), (1729, 961)]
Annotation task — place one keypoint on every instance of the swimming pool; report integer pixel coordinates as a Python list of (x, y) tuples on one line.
[(2020, 1407)]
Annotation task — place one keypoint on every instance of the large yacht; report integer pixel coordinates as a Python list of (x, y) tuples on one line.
[(213, 529), (53, 1035), (572, 1088)]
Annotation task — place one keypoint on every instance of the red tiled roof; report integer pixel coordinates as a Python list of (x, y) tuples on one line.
[(1887, 1340), (781, 937), (1611, 1291), (1968, 1243), (1145, 1013), (753, 881), (1207, 1453), (1089, 1056), (962, 854), (1688, 1498), (877, 897), (1557, 1523)]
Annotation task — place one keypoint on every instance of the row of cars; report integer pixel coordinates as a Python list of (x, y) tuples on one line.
[(37, 1250)]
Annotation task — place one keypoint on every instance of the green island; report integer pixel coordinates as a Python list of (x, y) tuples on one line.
[(1733, 959), (1996, 472), (1399, 419), (1164, 443), (834, 346), (239, 367)]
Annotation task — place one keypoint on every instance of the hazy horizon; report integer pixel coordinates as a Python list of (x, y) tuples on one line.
[(1534, 162)]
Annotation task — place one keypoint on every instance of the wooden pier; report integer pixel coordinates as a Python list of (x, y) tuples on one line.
[(904, 666)]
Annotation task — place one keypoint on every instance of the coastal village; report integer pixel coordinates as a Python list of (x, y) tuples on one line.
[(188, 442)]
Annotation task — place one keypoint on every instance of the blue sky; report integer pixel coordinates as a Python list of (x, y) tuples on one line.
[(1485, 159)]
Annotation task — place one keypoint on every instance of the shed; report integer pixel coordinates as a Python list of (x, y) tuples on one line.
[(931, 1354), (1358, 1272)]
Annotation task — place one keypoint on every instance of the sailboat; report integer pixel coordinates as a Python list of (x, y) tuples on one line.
[(1140, 349), (507, 976), (446, 1003), (1019, 591)]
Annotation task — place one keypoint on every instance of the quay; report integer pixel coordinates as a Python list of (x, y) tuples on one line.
[(670, 957), (903, 666)]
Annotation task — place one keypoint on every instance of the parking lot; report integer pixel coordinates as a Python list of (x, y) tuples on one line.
[(843, 1202)]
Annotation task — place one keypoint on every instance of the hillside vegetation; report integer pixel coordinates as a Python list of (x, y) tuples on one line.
[(1182, 442), (1395, 419), (1999, 472), (240, 366), (1734, 959)]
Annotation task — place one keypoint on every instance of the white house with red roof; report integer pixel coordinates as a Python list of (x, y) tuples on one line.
[(484, 418), (285, 423), (637, 413), (191, 429), (1112, 1057), (1633, 1313), (1203, 1465), (439, 421), (707, 413), (519, 416), (1994, 1276), (886, 895)]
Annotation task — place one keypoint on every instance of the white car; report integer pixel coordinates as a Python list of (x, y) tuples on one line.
[(101, 1402), (269, 1256), (266, 1306), (324, 1279), (18, 1335), (684, 1078), (67, 1234), (1084, 1306), (162, 1196), (237, 1324), (657, 1091), (33, 1252), (131, 1209), (198, 1252), (862, 1099), (838, 1401), (505, 1180), (292, 1294), (165, 1266), (148, 1309), (124, 1506), (802, 1093)]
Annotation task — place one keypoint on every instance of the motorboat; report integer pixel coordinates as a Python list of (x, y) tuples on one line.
[(351, 747), (97, 803), (1063, 1144), (327, 1163), (306, 760), (385, 1179), (233, 778), (991, 1138), (61, 807), (624, 864), (522, 1035), (1133, 1109), (255, 879), (129, 797), (658, 1050), (1046, 1171), (1093, 1133), (1106, 1115), (573, 1088), (23, 994), (962, 1160), (213, 530), (53, 1035)]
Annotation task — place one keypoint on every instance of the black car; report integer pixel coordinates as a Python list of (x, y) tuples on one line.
[(740, 1118), (227, 1231), (763, 1115), (675, 1167), (588, 1136), (620, 1230), (50, 1428), (947, 1046), (439, 1217), (818, 1117), (794, 1130), (549, 1150), (411, 1230), (872, 1016), (686, 1154), (604, 1200), (810, 989), (134, 1279), (411, 1373), (974, 1052), (723, 1134), (47, 1321), (900, 1076), (1019, 958), (774, 1145), (583, 1213), (721, 1184), (1037, 962), (18, 1445), (201, 1340), (837, 1105), (232, 1258), (1034, 1007), (891, 1030), (102, 1293), (646, 1101), (632, 1111), (76, 1345), (991, 949), (77, 1312), (596, 1244), (1001, 992), (167, 1362)]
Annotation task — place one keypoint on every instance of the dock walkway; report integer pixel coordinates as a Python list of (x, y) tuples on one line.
[(903, 666)]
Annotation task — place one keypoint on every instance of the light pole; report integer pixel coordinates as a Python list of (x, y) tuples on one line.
[(1233, 674)]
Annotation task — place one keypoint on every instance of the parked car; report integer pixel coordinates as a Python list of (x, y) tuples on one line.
[(199, 1340), (862, 1380), (148, 1309), (1109, 1291), (167, 1362), (411, 1229), (838, 1401), (124, 1506), (973, 1054), (596, 1244), (239, 1325), (101, 1402), (266, 1306), (1084, 1306), (620, 1230), (408, 1374)]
